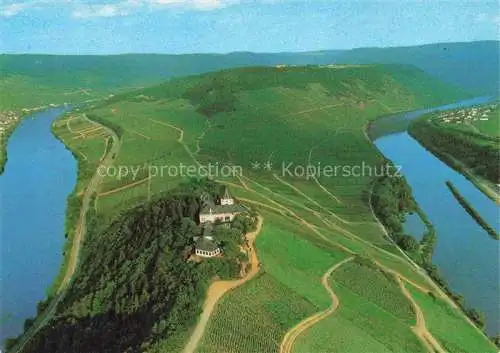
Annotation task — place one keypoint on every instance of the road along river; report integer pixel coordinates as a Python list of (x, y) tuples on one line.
[(467, 257), (39, 175)]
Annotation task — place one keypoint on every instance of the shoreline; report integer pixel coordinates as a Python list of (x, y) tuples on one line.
[(472, 211), (20, 116), (444, 290), (480, 183), (58, 289)]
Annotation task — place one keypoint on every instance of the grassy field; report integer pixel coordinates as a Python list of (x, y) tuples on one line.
[(260, 120), (492, 125), (373, 316), (359, 323), (234, 327), (441, 320), (287, 291), (296, 262), (376, 285)]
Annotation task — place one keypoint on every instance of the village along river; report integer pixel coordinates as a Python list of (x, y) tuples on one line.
[(39, 175), (467, 257)]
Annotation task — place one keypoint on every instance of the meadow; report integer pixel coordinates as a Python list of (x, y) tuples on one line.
[(373, 315), (234, 328), (441, 319), (491, 126)]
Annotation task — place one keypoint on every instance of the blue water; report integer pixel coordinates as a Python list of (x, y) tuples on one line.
[(415, 226), (39, 175), (465, 254), (461, 104)]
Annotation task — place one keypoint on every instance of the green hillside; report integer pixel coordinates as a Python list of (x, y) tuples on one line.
[(32, 80), (28, 81), (472, 66), (255, 120)]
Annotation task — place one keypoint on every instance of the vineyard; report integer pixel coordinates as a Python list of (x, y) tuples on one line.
[(441, 320), (361, 323), (254, 318), (296, 262), (377, 286)]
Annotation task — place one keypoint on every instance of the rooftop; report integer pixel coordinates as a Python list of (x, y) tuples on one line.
[(222, 209), (206, 244)]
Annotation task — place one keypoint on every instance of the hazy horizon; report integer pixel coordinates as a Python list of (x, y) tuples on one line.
[(225, 26), (255, 52)]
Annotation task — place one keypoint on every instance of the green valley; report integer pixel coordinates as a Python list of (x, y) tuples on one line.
[(294, 141)]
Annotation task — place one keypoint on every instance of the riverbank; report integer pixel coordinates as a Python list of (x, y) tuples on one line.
[(428, 269), (443, 144), (472, 211), (38, 178), (75, 228), (463, 269), (9, 121), (464, 260)]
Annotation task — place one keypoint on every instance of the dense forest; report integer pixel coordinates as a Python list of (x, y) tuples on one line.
[(392, 200), (136, 282), (458, 149)]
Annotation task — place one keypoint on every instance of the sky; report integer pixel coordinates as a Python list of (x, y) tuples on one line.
[(221, 26)]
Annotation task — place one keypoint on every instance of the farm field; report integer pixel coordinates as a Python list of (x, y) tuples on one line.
[(441, 319), (378, 286), (372, 309), (259, 120), (287, 291), (296, 262), (492, 125), (326, 123), (234, 328)]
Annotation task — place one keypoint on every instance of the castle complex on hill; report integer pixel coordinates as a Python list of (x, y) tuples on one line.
[(222, 210)]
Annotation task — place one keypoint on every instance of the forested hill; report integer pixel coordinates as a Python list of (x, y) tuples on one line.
[(34, 80), (472, 66), (31, 80), (135, 283)]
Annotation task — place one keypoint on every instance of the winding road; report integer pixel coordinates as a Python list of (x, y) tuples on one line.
[(292, 335), (219, 288), (420, 329)]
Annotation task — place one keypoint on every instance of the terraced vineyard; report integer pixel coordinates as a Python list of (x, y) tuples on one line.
[(234, 327), (373, 316), (441, 320), (366, 280)]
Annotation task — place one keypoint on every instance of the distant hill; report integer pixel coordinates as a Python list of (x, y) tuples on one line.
[(34, 80), (473, 66), (27, 80)]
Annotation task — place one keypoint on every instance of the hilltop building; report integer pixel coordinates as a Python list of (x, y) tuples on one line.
[(223, 210), (206, 246)]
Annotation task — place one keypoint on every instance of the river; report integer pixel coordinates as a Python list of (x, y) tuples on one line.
[(467, 257), (39, 175)]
